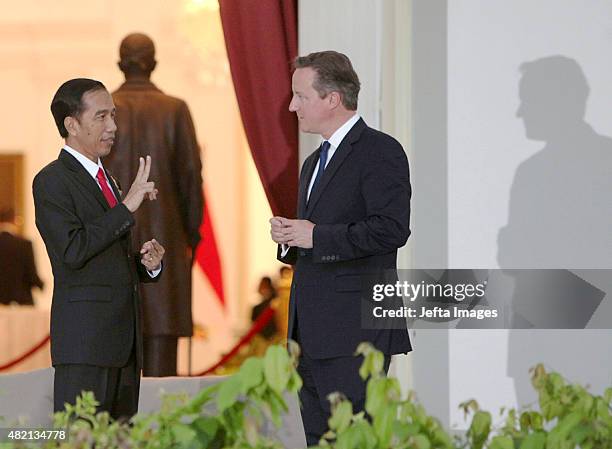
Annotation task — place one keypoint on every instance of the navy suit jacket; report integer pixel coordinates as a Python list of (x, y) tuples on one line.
[(361, 211)]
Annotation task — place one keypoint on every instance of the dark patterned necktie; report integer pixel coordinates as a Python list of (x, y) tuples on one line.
[(322, 161)]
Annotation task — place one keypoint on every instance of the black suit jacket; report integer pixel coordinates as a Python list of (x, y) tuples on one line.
[(17, 270), (95, 313), (361, 211)]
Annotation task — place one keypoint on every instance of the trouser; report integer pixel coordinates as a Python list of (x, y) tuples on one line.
[(324, 376), (159, 358), (116, 389)]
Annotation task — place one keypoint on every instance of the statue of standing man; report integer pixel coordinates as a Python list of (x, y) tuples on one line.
[(152, 123)]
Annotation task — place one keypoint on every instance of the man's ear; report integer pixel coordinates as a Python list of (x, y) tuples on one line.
[(334, 99), (71, 123)]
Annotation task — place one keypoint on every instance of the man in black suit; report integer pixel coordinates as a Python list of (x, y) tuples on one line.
[(18, 273), (353, 215), (96, 337)]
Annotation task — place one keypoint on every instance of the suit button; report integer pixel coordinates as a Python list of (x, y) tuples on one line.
[(322, 257), (302, 253), (333, 258)]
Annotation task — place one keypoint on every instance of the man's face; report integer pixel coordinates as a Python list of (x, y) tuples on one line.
[(94, 131), (312, 110)]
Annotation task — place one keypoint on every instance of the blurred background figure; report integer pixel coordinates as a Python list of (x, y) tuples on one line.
[(283, 287), (18, 273), (267, 294), (152, 123)]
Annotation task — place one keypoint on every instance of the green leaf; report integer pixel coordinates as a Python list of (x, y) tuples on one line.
[(608, 395), (250, 374), (375, 396), (366, 368), (501, 442), (441, 439), (383, 425), (556, 382), (276, 368), (467, 406), (534, 441), (277, 406), (364, 348), (567, 424), (378, 362), (525, 421), (420, 442), (580, 433), (206, 428), (228, 392), (479, 429), (536, 421), (403, 430), (341, 417), (295, 383), (183, 434)]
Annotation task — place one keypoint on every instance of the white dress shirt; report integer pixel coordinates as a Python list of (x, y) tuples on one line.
[(92, 168), (334, 142)]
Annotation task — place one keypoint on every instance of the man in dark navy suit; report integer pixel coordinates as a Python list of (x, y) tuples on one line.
[(353, 215)]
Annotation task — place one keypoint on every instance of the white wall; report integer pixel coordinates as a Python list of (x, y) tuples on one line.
[(487, 143)]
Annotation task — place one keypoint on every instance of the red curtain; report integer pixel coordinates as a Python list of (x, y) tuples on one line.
[(261, 41)]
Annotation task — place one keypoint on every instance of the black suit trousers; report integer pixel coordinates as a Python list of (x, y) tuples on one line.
[(324, 376), (116, 389)]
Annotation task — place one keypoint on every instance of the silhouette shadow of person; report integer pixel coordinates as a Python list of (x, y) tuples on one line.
[(560, 219)]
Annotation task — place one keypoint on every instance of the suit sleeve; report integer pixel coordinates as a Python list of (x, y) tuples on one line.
[(188, 175), (290, 258), (31, 274), (385, 188), (73, 241), (143, 274)]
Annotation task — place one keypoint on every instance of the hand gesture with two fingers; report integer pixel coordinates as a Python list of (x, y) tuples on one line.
[(141, 186)]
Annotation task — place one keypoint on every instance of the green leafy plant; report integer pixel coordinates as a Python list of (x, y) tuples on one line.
[(230, 415), (569, 417)]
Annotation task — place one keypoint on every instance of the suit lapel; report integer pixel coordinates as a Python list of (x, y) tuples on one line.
[(114, 185), (83, 177), (340, 155)]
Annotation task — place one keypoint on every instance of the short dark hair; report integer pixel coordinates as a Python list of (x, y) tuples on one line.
[(68, 100), (334, 73)]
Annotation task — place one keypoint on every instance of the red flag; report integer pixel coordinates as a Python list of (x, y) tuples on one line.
[(207, 255)]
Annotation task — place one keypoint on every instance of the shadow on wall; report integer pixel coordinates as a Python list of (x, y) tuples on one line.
[(560, 217)]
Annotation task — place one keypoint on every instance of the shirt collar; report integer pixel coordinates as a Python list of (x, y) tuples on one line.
[(91, 167), (336, 138)]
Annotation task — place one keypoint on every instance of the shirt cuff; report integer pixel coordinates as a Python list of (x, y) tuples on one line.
[(153, 274), (284, 249)]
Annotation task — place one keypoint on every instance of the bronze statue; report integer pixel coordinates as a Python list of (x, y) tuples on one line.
[(152, 123)]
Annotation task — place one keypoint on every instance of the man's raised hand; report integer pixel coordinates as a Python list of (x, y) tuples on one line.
[(141, 186)]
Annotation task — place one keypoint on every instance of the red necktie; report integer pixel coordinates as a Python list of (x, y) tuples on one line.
[(110, 198)]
